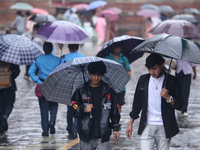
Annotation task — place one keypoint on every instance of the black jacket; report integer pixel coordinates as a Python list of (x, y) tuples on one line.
[(168, 115), (109, 112)]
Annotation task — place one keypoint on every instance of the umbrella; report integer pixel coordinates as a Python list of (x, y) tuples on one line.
[(21, 6), (179, 28), (39, 11), (80, 6), (18, 50), (60, 85), (128, 43), (109, 14), (63, 32), (150, 7), (42, 18), (165, 8), (186, 17), (191, 10), (96, 4), (115, 9), (148, 13)]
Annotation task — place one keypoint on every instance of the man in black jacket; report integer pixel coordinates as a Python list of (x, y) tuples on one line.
[(95, 104), (7, 99), (157, 102)]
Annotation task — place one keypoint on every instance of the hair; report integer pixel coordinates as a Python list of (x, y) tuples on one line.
[(97, 68), (28, 13), (19, 13), (73, 47), (47, 47), (36, 26), (154, 59)]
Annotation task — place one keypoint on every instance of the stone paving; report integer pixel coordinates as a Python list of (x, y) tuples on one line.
[(24, 131)]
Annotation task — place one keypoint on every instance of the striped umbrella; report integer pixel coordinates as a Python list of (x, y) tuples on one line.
[(60, 85)]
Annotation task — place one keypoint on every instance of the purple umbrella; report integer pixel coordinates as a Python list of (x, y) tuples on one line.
[(63, 32)]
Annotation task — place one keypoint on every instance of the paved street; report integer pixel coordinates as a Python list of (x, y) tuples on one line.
[(24, 131)]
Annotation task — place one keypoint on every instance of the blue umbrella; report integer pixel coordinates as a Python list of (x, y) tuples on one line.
[(96, 4), (127, 42)]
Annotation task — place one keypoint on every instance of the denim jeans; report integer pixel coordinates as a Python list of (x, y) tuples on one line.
[(71, 122), (45, 107), (93, 144), (154, 135)]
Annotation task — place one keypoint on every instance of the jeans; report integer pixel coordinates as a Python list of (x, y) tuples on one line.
[(93, 144), (45, 107), (154, 134), (71, 122)]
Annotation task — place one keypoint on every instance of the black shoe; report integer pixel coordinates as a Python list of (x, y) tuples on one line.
[(4, 123), (1, 130), (52, 128), (72, 136), (45, 134)]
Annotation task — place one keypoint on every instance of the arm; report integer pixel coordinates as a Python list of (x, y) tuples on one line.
[(15, 21), (194, 71), (15, 71), (32, 71), (129, 128), (127, 66)]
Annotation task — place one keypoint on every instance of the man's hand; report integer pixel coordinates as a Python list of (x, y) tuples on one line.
[(116, 135), (164, 93), (129, 131), (88, 108)]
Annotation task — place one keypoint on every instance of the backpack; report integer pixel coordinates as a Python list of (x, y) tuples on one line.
[(5, 75)]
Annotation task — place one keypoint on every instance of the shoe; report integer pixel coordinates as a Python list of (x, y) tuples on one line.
[(52, 128), (72, 136), (45, 134), (4, 123), (185, 114), (1, 130), (26, 77)]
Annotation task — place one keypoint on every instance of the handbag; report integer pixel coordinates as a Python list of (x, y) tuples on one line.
[(37, 92)]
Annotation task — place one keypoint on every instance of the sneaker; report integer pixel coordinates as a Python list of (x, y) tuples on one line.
[(4, 123), (185, 114)]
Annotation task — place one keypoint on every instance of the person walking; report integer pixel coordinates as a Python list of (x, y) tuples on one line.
[(117, 56), (45, 64), (7, 98), (20, 22), (101, 29), (95, 107), (71, 122), (184, 75), (157, 103)]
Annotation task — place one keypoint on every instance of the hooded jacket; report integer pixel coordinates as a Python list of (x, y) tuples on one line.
[(109, 118)]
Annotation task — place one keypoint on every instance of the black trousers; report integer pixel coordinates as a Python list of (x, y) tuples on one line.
[(185, 81)]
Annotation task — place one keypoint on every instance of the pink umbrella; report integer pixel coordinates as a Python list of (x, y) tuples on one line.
[(115, 9), (39, 11), (148, 13), (80, 6), (110, 14)]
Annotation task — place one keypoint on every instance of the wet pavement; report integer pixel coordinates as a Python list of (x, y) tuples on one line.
[(24, 131)]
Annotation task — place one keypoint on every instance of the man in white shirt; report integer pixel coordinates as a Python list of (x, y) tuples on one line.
[(157, 103)]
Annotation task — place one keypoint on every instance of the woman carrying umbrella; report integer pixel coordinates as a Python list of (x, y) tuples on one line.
[(45, 64)]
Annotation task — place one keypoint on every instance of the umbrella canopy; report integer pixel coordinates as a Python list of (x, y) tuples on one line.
[(22, 6), (191, 10), (172, 47), (39, 11), (18, 50), (60, 85), (165, 8), (186, 17), (148, 13), (63, 32), (80, 6), (115, 9), (109, 14), (127, 42), (179, 28), (150, 7), (96, 4), (41, 18)]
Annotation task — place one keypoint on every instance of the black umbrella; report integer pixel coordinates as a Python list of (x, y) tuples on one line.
[(127, 42)]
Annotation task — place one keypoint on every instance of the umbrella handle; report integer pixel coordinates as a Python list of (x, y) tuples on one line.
[(168, 72), (60, 46)]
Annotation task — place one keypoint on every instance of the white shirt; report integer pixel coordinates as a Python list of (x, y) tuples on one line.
[(185, 66), (154, 114)]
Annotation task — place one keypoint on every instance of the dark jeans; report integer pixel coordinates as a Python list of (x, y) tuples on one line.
[(185, 81), (7, 100), (45, 107), (71, 122), (27, 68)]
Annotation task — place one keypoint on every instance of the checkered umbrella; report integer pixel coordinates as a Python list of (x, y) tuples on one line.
[(18, 50), (181, 28), (60, 85)]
